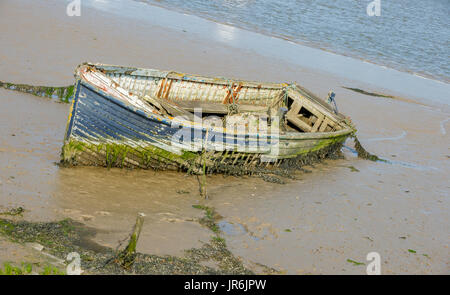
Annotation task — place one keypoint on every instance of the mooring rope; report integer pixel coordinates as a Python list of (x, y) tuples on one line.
[(64, 94), (233, 106), (286, 95)]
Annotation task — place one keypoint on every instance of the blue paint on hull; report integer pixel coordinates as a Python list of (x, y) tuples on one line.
[(97, 117)]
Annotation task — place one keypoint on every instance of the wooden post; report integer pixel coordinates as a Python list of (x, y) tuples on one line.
[(203, 162), (203, 186), (127, 255)]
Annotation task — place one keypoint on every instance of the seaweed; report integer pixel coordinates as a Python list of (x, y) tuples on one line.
[(13, 212), (362, 153), (368, 93), (355, 262), (122, 155), (63, 237), (64, 94)]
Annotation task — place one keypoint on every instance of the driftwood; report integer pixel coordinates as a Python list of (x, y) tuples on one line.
[(126, 256)]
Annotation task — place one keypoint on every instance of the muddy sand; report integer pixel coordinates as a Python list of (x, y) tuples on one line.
[(315, 224)]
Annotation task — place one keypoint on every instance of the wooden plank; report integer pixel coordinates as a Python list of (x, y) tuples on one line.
[(218, 108), (278, 100), (295, 108), (324, 125), (158, 94), (155, 102), (318, 122), (168, 107), (293, 116), (166, 94), (308, 105), (294, 119)]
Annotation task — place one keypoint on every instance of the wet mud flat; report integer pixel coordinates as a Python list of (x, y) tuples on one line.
[(318, 223), (61, 238)]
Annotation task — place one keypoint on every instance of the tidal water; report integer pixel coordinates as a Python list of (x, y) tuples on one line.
[(409, 35)]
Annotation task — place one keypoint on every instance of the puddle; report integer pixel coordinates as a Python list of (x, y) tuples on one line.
[(398, 163), (237, 229), (231, 229), (412, 165)]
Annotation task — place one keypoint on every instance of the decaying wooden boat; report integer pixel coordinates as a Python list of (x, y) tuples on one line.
[(144, 118)]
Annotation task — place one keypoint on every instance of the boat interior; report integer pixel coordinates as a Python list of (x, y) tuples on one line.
[(172, 94)]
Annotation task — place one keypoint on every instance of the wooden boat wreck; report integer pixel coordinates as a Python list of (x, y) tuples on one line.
[(144, 118)]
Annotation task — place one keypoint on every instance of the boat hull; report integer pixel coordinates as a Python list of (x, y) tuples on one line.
[(104, 131)]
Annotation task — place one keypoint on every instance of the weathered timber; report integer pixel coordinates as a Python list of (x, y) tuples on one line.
[(214, 108), (126, 256)]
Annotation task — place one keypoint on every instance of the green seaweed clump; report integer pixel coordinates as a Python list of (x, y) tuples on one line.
[(355, 262), (70, 151), (9, 269), (362, 153), (66, 236), (368, 93), (209, 220), (14, 212)]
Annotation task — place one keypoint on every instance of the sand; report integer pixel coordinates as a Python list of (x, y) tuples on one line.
[(310, 225)]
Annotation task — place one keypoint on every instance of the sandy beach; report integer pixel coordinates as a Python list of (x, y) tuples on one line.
[(341, 211)]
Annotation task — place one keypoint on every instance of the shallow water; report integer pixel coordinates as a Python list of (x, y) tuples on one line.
[(355, 72), (408, 35)]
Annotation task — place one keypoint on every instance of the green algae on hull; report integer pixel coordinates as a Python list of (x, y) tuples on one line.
[(78, 153)]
